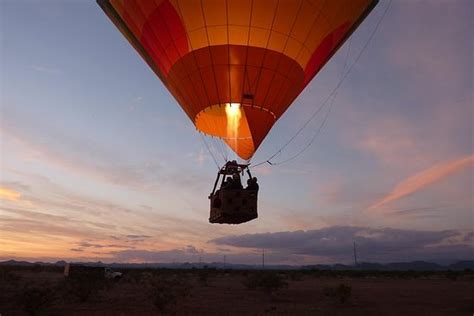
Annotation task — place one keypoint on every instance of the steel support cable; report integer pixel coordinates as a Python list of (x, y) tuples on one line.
[(333, 92), (210, 152), (318, 131), (224, 146), (218, 145), (220, 148), (323, 123)]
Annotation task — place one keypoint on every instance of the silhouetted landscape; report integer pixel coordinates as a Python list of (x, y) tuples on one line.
[(363, 266), (411, 288)]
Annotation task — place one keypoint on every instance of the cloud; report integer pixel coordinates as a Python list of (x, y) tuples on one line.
[(135, 103), (87, 158), (9, 194), (138, 236), (334, 244), (86, 244), (422, 212), (15, 185), (424, 178), (469, 237), (60, 219), (181, 254), (421, 111), (20, 211), (193, 254), (47, 70), (264, 169), (385, 138), (16, 221)]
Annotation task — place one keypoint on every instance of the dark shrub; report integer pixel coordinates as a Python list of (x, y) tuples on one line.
[(36, 299), (8, 278), (296, 275), (83, 287), (203, 277), (340, 293), (165, 292), (452, 275), (267, 281), (133, 276)]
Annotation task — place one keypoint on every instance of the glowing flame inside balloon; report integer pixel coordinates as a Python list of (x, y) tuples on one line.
[(233, 113)]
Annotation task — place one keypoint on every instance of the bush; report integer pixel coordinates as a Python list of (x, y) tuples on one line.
[(36, 299), (267, 281), (83, 287), (340, 293), (133, 276), (296, 275), (8, 278), (452, 275), (204, 276), (165, 292)]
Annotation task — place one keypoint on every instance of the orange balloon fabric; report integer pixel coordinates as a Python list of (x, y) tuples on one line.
[(259, 54)]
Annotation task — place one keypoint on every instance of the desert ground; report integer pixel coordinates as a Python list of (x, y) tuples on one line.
[(45, 291)]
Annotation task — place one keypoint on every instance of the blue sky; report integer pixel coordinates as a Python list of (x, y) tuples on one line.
[(97, 160)]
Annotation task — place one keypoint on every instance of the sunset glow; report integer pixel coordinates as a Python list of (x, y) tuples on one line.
[(101, 161), (8, 194)]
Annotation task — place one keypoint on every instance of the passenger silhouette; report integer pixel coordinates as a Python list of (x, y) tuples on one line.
[(252, 184), (228, 184), (236, 182)]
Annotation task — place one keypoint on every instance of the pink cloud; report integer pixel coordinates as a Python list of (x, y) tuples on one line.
[(423, 179), (9, 194)]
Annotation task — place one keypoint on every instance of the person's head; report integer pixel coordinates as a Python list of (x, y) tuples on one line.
[(254, 179)]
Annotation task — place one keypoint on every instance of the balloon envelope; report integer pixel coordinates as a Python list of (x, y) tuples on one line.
[(255, 54)]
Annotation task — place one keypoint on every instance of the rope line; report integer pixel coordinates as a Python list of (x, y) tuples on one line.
[(323, 123), (218, 145), (332, 94), (210, 152), (318, 131)]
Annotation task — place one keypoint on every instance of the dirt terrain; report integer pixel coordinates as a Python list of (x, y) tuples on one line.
[(216, 292)]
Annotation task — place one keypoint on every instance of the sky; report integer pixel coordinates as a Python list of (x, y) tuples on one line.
[(98, 162)]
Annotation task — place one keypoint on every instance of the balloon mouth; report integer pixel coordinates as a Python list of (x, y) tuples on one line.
[(228, 121)]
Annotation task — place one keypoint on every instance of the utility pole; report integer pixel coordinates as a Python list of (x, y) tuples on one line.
[(355, 255)]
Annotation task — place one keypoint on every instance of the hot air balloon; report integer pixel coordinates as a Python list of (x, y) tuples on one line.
[(235, 66)]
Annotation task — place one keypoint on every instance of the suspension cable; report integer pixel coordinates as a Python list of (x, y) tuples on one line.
[(210, 152), (333, 93), (308, 145), (323, 123), (216, 145), (223, 148)]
